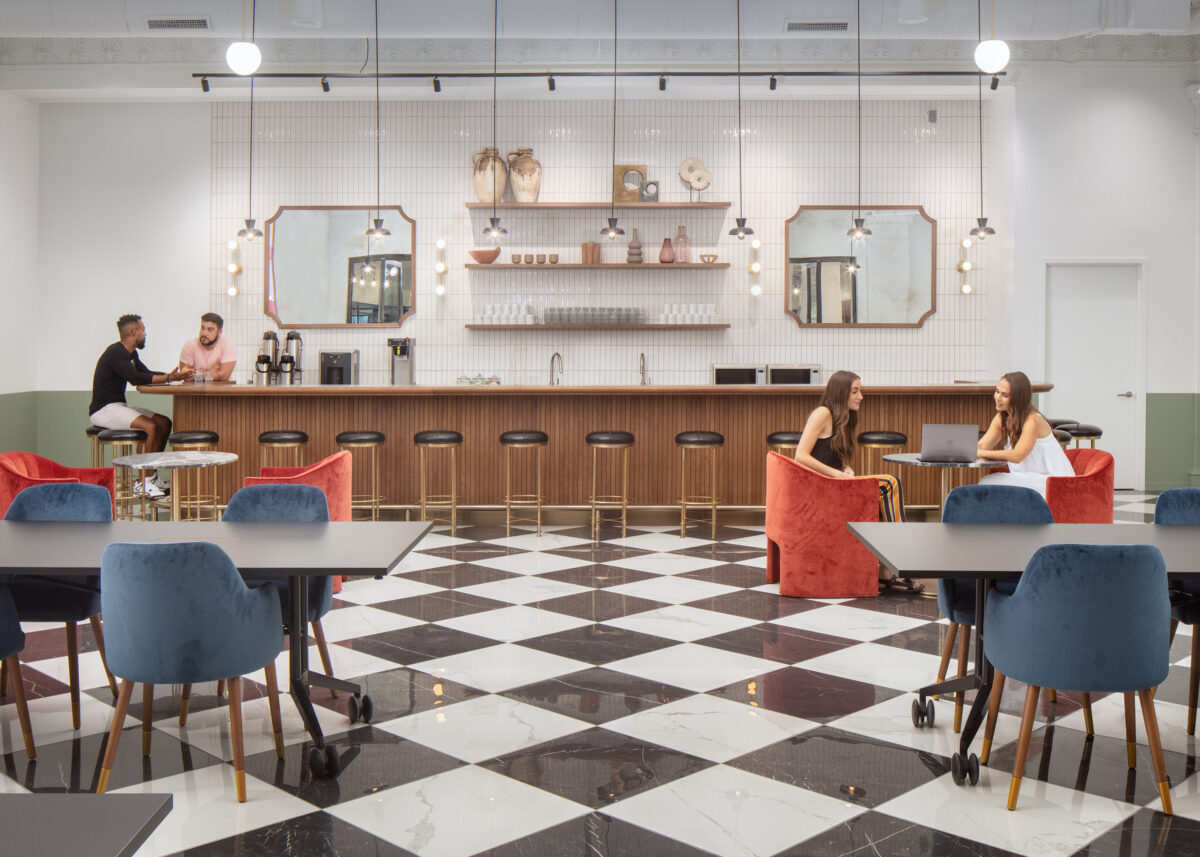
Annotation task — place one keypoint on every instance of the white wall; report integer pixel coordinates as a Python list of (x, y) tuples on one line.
[(123, 227), (18, 241)]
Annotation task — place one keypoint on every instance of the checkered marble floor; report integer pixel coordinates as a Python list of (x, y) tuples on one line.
[(643, 696)]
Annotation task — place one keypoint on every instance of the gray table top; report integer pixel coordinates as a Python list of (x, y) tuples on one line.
[(366, 548), (1003, 550), (175, 460), (914, 459), (51, 825)]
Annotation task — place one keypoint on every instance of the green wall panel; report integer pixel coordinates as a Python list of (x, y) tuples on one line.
[(18, 421), (51, 422), (1172, 436)]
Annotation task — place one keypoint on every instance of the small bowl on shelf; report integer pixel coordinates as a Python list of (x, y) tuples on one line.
[(485, 257), (708, 258)]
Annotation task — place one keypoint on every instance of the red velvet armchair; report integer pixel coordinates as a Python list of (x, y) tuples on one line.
[(331, 475), (810, 552), (1086, 497), (20, 470)]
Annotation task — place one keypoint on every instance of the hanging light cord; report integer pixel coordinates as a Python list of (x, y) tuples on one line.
[(858, 79), (979, 27), (250, 170), (612, 206), (378, 134), (495, 50), (741, 213)]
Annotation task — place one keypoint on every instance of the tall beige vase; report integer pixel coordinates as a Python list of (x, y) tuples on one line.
[(524, 175), (488, 174)]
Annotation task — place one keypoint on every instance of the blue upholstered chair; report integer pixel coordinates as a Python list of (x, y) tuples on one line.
[(979, 504), (1091, 618), (12, 640), (1181, 506), (65, 599), (179, 612)]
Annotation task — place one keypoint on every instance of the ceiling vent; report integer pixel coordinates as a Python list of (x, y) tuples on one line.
[(177, 23), (816, 26)]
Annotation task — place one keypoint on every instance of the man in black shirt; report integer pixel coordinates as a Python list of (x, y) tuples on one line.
[(120, 365)]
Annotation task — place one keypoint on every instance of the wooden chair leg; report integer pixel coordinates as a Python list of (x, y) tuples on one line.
[(1130, 732), (947, 648), (1193, 681), (73, 671), (273, 703), (4, 678), (1027, 715), (185, 698), (964, 644), (220, 688), (1174, 628), (147, 716), (323, 651), (98, 633), (14, 667), (1156, 751), (235, 737), (1052, 694), (993, 715), (114, 734)]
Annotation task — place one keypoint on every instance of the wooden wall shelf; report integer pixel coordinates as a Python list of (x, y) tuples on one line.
[(660, 266), (536, 206), (596, 326)]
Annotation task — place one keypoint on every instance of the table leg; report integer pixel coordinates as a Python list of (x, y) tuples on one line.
[(176, 512), (945, 486), (983, 672), (298, 656)]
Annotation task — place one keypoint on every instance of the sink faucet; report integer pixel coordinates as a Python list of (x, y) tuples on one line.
[(642, 367), (556, 357)]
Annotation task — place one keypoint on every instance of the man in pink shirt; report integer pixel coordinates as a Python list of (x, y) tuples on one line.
[(210, 354)]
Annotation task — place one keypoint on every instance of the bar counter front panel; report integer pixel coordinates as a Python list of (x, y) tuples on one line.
[(744, 415)]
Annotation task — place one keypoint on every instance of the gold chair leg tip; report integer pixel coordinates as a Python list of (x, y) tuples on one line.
[(985, 751), (1131, 753), (102, 783), (1014, 788), (1164, 793)]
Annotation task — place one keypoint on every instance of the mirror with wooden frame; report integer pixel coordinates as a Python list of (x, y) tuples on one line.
[(887, 279), (322, 270)]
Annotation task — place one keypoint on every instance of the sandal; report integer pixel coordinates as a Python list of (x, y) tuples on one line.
[(903, 584)]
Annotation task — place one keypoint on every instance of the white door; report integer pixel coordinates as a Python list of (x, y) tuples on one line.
[(1092, 358)]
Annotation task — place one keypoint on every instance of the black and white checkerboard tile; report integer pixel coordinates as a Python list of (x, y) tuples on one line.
[(639, 696)]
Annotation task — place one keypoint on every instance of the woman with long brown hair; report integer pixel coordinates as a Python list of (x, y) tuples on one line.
[(1022, 438)]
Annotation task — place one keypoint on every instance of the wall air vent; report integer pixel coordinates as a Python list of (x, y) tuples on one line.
[(177, 23), (816, 26)]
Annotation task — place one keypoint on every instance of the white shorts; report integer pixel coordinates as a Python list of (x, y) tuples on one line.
[(118, 415)]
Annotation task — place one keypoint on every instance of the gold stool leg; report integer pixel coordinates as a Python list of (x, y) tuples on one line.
[(595, 512), (376, 481), (537, 464), (507, 491), (453, 491), (421, 477), (714, 492), (624, 490), (682, 490)]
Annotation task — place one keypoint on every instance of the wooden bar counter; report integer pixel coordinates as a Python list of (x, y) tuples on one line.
[(745, 415)]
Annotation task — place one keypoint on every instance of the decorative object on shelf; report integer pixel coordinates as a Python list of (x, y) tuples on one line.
[(528, 258), (708, 258), (694, 175), (488, 165), (634, 255), (683, 246), (377, 230), (524, 175), (982, 230), (858, 231), (667, 253), (507, 314), (649, 191), (627, 182), (741, 230), (612, 230), (516, 258), (589, 253), (486, 257), (541, 258), (553, 258)]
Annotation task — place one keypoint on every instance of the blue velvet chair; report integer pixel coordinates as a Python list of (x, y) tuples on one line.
[(12, 640), (1181, 506), (1091, 618), (65, 599), (179, 612), (979, 504)]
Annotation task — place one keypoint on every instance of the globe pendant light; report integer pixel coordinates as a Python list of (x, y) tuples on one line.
[(992, 55), (741, 230), (494, 230), (982, 230), (244, 57), (859, 230), (377, 231), (249, 232), (611, 231)]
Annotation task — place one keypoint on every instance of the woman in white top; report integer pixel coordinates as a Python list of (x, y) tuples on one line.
[(1022, 438)]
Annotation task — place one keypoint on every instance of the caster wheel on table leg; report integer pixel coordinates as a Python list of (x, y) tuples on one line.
[(367, 709), (316, 763), (973, 769), (922, 713), (958, 769), (332, 763), (352, 711)]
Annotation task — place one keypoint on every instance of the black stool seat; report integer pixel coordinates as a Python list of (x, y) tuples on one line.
[(437, 437), (188, 437), (610, 438), (524, 437), (1062, 436), (92, 431), (136, 435), (784, 438), (1061, 423), (283, 436), (882, 438), (361, 437), (699, 438), (1083, 430)]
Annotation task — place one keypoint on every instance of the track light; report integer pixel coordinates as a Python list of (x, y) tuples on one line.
[(204, 84), (662, 83), (995, 84), (437, 85), (324, 84), (771, 84), (550, 85)]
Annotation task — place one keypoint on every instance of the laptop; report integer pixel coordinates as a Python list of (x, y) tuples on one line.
[(952, 443)]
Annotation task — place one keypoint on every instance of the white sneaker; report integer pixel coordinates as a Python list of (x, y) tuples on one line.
[(161, 485), (148, 488)]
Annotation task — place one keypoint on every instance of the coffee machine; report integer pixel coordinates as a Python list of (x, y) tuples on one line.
[(339, 367), (402, 361), (290, 365), (266, 365)]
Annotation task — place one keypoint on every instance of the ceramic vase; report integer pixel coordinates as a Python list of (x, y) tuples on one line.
[(524, 175), (488, 174), (634, 256), (667, 253), (683, 246)]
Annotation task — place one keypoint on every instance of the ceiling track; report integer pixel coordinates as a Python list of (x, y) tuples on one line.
[(419, 75)]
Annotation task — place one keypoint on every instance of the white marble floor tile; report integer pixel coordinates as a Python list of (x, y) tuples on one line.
[(660, 541), (710, 727), (1145, 508), (440, 540), (759, 541), (362, 621), (371, 591), (733, 813), (1049, 820), (499, 668), (50, 718), (758, 562), (901, 669), (672, 590), (205, 808), (483, 728), (417, 561), (1185, 799), (694, 667), (682, 623), (1108, 716), (523, 590), (510, 624), (532, 562), (657, 528), (892, 721), (850, 622), (9, 786), (457, 813), (664, 563), (91, 669), (33, 627), (533, 542)]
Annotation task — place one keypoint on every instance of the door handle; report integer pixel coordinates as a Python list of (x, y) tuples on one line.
[(1128, 394)]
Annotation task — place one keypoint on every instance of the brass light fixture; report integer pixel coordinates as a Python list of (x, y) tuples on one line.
[(377, 230), (982, 230), (613, 230), (859, 230), (494, 230), (741, 230)]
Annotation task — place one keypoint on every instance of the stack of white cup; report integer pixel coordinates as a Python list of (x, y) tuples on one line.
[(689, 314), (507, 314)]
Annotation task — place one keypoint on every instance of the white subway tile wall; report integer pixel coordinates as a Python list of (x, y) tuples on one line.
[(796, 152)]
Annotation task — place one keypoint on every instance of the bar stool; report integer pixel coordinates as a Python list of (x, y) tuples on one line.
[(697, 440), (372, 440), (1083, 431), (784, 442), (525, 438), (92, 432), (196, 488), (1063, 437), (111, 444), (1062, 424), (273, 446), (439, 439), (600, 503), (881, 440)]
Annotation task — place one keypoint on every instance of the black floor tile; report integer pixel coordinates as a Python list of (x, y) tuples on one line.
[(1147, 834), (440, 605), (595, 835), (722, 552), (596, 552), (598, 606), (777, 643), (418, 643), (763, 606), (598, 576), (805, 693), (469, 552), (457, 576), (900, 604), (924, 638), (729, 575), (597, 695), (400, 692), (317, 834), (872, 834), (597, 644)]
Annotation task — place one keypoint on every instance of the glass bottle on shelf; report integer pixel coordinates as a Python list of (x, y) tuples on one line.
[(666, 254), (683, 246)]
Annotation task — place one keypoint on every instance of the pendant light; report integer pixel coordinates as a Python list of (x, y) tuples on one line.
[(741, 230), (244, 57), (858, 231), (982, 230), (494, 230), (377, 230), (249, 232), (992, 55), (612, 230)]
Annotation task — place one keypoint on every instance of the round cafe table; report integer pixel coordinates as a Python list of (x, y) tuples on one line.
[(913, 459), (175, 461)]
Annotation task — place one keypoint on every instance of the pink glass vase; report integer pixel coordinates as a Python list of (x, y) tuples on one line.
[(683, 246), (667, 253)]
